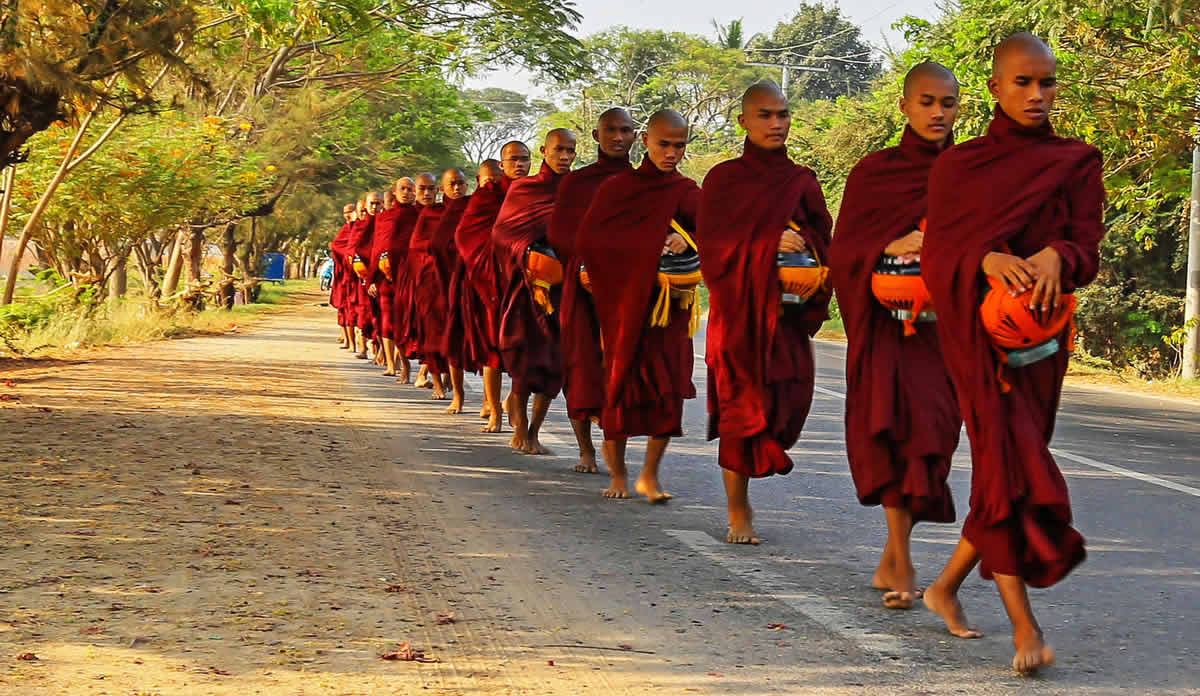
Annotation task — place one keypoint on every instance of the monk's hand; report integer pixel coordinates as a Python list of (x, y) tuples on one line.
[(1015, 271), (908, 247), (1048, 289), (791, 242), (675, 244), (373, 290)]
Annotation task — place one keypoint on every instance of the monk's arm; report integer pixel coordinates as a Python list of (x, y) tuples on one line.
[(1080, 250)]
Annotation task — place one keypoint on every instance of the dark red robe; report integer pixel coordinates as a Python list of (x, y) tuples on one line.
[(647, 370), (528, 335), (446, 261), (479, 317), (902, 419), (392, 231), (760, 360), (583, 359), (428, 293), (362, 235), (340, 289), (1020, 189)]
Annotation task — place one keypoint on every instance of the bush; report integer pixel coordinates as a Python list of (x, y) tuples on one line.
[(1127, 328)]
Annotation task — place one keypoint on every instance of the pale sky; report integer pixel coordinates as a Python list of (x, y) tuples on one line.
[(694, 16)]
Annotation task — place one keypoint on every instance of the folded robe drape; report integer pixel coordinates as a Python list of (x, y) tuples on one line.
[(477, 254), (339, 291), (366, 308), (760, 359), (428, 309), (902, 419), (583, 359), (1023, 190), (392, 229), (647, 370), (447, 262), (528, 341)]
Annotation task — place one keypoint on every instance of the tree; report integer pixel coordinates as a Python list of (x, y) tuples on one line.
[(819, 37), (732, 35), (502, 115)]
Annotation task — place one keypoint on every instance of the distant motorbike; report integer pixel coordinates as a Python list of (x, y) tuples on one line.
[(325, 272)]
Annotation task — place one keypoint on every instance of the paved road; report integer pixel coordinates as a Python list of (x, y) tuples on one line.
[(577, 570)]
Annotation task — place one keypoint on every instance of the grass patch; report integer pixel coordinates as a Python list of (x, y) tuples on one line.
[(61, 324)]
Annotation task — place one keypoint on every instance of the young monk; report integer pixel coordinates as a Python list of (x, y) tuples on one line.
[(583, 361), (362, 236), (340, 289), (902, 420), (407, 326), (445, 258), (468, 340), (393, 227), (1025, 206), (428, 284), (647, 369), (760, 361), (528, 333)]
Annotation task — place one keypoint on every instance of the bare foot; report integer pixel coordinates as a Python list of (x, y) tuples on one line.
[(948, 607), (1033, 653), (493, 424), (423, 383), (510, 407), (900, 600), (520, 438), (586, 465), (742, 534), (455, 406), (618, 490), (389, 373), (438, 394), (361, 356), (650, 488), (532, 446), (485, 411), (403, 379)]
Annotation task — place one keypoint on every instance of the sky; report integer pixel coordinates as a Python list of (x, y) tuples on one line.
[(695, 16)]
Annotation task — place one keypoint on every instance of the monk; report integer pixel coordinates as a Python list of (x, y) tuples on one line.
[(583, 360), (647, 369), (393, 227), (528, 332), (407, 327), (360, 243), (429, 284), (469, 338), (902, 420), (1023, 206), (339, 291), (760, 360), (454, 355)]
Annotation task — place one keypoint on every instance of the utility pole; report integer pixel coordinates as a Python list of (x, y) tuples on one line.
[(1191, 307), (783, 86)]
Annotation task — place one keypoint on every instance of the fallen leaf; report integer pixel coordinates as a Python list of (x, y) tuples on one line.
[(84, 532), (231, 501), (27, 657), (550, 662), (221, 672), (306, 573), (783, 644), (776, 626), (92, 630), (446, 617), (10, 383), (9, 397), (395, 588), (44, 409), (406, 653), (715, 674)]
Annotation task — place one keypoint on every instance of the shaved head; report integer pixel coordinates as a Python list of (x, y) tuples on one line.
[(614, 133), (666, 118), (406, 190), (348, 212), (1024, 79), (666, 139), (559, 151), (927, 70), (759, 91), (515, 159), (1020, 44), (454, 183), (374, 202), (427, 187), (489, 170)]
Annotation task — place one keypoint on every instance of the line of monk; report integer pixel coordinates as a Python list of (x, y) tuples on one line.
[(954, 268)]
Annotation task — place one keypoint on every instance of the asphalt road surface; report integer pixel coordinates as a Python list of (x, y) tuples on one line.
[(625, 597)]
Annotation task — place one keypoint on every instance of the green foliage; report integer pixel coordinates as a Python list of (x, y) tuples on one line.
[(820, 37)]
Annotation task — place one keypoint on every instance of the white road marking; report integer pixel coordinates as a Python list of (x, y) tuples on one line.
[(1146, 478), (829, 392), (817, 608)]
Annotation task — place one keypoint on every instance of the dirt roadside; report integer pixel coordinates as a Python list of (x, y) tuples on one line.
[(208, 516)]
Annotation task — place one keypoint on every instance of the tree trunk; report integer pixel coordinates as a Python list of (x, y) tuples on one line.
[(196, 257), (229, 247), (148, 267), (171, 281), (118, 281)]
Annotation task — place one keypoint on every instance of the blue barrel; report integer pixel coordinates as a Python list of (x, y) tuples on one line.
[(273, 265)]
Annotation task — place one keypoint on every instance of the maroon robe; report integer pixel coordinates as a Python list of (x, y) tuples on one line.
[(902, 419), (447, 262), (583, 359), (647, 370), (428, 296), (1023, 190), (528, 335), (480, 315), (340, 289), (392, 230), (760, 360), (362, 234)]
